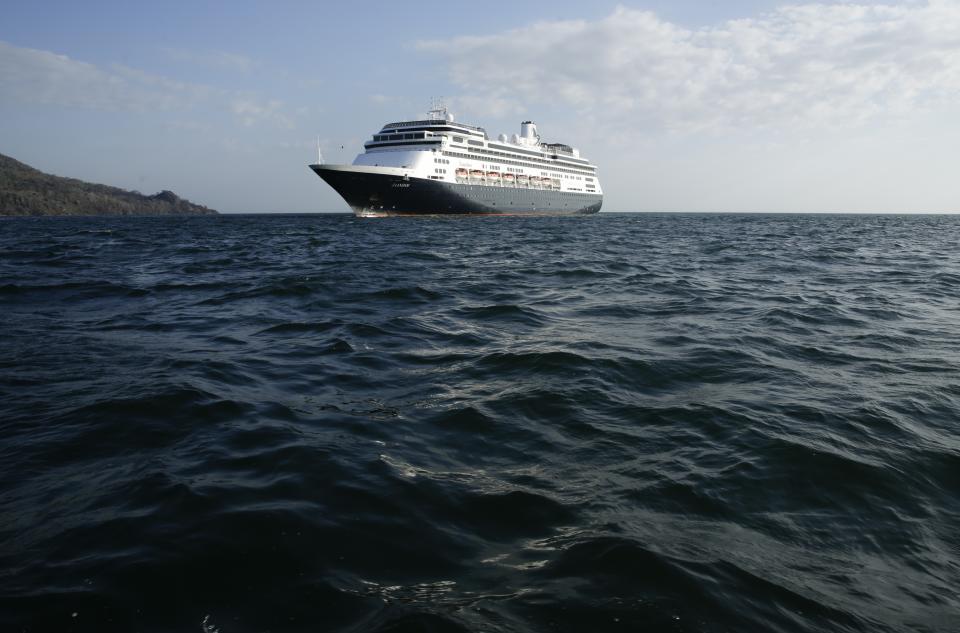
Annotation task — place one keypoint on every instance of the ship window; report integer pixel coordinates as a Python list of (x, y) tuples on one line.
[(418, 135), (407, 136), (457, 139), (473, 142)]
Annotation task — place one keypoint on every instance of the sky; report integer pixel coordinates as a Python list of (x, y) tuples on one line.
[(734, 106)]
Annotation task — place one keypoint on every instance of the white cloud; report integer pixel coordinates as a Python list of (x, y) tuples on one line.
[(812, 65), (250, 111), (218, 60), (492, 105), (34, 76), (31, 76)]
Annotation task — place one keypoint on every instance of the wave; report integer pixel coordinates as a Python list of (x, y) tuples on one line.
[(637, 421)]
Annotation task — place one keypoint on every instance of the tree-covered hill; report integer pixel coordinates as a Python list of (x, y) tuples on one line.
[(28, 191)]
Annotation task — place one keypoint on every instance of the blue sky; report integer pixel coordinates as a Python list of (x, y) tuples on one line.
[(685, 106)]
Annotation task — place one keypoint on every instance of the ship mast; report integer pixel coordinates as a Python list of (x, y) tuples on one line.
[(438, 110)]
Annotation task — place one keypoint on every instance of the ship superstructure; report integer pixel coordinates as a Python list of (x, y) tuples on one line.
[(439, 166)]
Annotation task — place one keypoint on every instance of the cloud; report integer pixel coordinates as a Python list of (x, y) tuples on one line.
[(811, 65), (251, 111), (31, 76), (40, 77), (491, 105), (218, 60)]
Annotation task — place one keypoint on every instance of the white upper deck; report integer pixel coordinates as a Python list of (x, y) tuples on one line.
[(440, 126), (438, 147)]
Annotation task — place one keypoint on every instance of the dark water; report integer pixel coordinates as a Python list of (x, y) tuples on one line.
[(612, 423)]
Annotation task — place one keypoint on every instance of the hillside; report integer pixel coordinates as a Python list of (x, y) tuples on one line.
[(28, 191)]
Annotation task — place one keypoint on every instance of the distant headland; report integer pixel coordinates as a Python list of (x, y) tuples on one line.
[(28, 191)]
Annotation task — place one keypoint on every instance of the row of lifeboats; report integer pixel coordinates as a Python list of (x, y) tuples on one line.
[(509, 180)]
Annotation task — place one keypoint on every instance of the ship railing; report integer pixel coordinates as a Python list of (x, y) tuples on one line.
[(434, 122)]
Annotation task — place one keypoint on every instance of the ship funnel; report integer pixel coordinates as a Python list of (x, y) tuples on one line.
[(528, 130)]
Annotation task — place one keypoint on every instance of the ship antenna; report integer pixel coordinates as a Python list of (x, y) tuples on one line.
[(438, 110), (319, 153)]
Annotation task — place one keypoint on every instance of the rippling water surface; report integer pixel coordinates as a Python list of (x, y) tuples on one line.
[(610, 423)]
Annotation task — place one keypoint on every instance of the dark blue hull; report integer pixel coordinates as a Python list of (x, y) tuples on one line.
[(382, 194)]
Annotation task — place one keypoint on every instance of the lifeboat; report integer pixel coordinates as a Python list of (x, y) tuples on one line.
[(493, 175), (477, 174), (534, 181), (523, 180), (556, 183), (462, 173), (508, 179)]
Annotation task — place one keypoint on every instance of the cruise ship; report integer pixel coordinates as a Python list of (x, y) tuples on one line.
[(437, 166)]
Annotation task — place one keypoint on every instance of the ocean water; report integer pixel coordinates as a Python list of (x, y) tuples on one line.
[(628, 422)]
